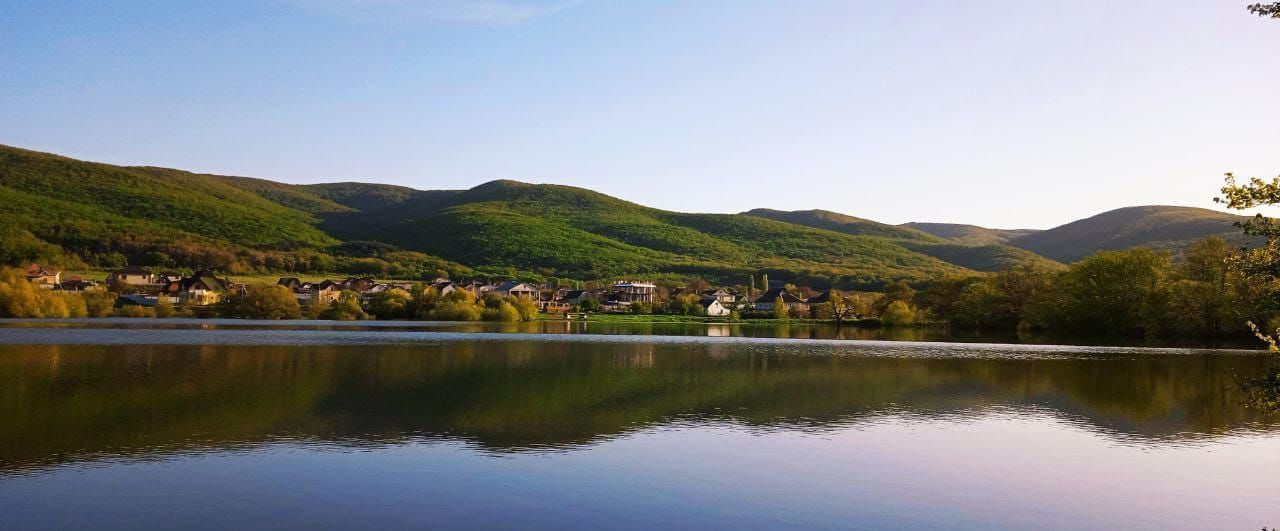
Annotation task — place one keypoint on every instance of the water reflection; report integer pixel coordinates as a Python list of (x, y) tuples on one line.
[(71, 403)]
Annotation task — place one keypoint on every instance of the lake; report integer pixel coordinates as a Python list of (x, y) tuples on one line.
[(181, 424)]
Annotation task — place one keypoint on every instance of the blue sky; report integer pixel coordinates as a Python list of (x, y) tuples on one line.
[(999, 113)]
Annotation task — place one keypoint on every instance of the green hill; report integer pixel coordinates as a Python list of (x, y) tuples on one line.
[(979, 256), (67, 212), (825, 219), (969, 234), (566, 231), (1162, 227)]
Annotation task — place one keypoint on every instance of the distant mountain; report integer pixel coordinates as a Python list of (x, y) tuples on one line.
[(568, 231), (969, 234), (1162, 227), (63, 211), (835, 221), (964, 253)]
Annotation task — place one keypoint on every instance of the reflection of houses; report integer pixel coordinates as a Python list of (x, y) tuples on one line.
[(628, 292), (711, 307), (202, 288), (131, 276), (769, 298)]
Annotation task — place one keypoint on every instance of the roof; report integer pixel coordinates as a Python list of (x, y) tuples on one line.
[(39, 270), (204, 280), (706, 302), (819, 298), (513, 285), (634, 285), (715, 293), (773, 294)]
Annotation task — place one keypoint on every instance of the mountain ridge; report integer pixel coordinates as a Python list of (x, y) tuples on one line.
[(97, 213)]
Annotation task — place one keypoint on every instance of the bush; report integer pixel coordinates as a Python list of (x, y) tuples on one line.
[(267, 301), (345, 308), (505, 313), (899, 313), (133, 310)]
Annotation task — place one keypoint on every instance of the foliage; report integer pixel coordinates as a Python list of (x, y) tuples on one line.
[(503, 312), (345, 308), (780, 309), (391, 304), (899, 313), (133, 310), (20, 298), (1266, 10), (686, 304), (268, 301)]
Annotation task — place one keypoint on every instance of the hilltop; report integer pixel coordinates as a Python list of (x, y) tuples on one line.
[(1163, 227), (969, 234), (74, 213)]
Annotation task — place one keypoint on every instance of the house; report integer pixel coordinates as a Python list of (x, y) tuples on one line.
[(711, 307), (577, 296), (359, 285), (726, 298), (291, 282), (202, 288), (629, 291), (817, 303), (385, 287), (444, 287), (792, 302), (44, 277), (131, 276), (325, 292), (78, 284), (516, 289)]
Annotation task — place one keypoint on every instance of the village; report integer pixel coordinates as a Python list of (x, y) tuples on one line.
[(205, 289)]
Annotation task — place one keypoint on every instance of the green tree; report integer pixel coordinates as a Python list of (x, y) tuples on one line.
[(780, 309), (899, 313), (267, 301), (1266, 9), (345, 308), (390, 304), (1113, 292), (504, 312), (525, 307)]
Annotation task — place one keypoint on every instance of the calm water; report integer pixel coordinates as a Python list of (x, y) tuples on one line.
[(235, 425)]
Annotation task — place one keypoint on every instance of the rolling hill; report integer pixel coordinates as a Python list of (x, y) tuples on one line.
[(969, 234), (1161, 227), (962, 252), (73, 213)]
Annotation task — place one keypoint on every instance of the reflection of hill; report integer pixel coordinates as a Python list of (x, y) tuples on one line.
[(67, 403)]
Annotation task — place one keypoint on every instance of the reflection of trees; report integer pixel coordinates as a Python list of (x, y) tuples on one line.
[(73, 402)]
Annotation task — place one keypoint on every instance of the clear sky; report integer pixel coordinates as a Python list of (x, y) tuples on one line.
[(999, 113)]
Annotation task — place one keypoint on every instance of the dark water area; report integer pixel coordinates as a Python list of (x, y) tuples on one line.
[(206, 425)]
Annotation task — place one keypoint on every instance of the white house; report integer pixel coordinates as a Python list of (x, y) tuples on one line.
[(711, 307)]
